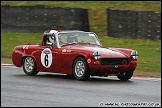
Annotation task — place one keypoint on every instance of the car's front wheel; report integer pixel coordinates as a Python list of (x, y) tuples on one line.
[(80, 69), (29, 66), (125, 75)]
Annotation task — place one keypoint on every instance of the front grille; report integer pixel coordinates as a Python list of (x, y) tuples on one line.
[(114, 61)]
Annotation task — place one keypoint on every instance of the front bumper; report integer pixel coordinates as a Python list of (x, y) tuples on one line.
[(96, 67)]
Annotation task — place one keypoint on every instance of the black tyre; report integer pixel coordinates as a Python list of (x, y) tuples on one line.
[(124, 75), (80, 69), (29, 66), (70, 76)]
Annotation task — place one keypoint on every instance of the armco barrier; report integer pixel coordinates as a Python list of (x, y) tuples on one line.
[(36, 19), (134, 24)]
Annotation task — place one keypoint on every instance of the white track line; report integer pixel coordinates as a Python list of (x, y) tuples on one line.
[(3, 64)]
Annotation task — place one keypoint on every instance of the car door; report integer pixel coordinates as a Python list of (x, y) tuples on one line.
[(49, 54)]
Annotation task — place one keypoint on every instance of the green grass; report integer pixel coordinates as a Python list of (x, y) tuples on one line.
[(10, 40), (96, 9), (149, 60)]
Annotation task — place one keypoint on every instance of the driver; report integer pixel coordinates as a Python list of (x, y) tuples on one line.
[(51, 38)]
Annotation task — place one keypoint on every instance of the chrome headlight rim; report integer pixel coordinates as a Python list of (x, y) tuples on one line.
[(134, 55), (96, 55)]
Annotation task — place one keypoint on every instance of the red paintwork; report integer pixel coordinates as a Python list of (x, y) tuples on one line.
[(62, 61)]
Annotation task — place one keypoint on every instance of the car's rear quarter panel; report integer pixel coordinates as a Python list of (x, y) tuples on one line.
[(23, 51)]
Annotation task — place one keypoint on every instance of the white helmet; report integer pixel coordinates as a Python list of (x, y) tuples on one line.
[(53, 31), (51, 38)]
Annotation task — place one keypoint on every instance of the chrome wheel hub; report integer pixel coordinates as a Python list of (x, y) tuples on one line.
[(29, 64), (79, 68)]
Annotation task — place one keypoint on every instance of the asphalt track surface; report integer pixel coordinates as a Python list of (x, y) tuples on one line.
[(59, 90)]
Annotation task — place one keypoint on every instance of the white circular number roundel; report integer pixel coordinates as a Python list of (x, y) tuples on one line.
[(46, 57)]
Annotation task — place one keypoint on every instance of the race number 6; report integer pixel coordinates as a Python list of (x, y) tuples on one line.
[(46, 57), (46, 60)]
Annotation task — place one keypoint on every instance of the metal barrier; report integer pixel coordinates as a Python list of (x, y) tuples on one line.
[(134, 24), (36, 19)]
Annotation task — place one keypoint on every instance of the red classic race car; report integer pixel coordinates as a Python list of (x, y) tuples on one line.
[(76, 53)]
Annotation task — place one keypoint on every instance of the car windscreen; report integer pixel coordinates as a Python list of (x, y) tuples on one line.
[(78, 38)]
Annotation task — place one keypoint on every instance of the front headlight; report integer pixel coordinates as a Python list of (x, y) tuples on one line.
[(96, 55), (134, 55)]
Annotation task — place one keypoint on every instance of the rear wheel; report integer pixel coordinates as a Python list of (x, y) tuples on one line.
[(125, 75), (29, 66), (80, 69)]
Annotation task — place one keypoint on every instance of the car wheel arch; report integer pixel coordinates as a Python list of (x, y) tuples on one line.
[(78, 57)]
